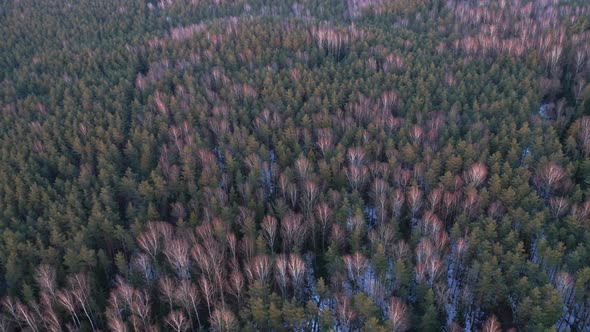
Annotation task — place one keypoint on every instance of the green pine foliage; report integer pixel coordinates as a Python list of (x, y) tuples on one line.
[(294, 165)]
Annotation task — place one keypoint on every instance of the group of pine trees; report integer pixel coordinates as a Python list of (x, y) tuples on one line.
[(311, 165)]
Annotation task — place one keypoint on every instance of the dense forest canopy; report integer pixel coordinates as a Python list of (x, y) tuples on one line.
[(294, 165)]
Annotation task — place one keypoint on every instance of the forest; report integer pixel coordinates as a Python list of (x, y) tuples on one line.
[(294, 165)]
